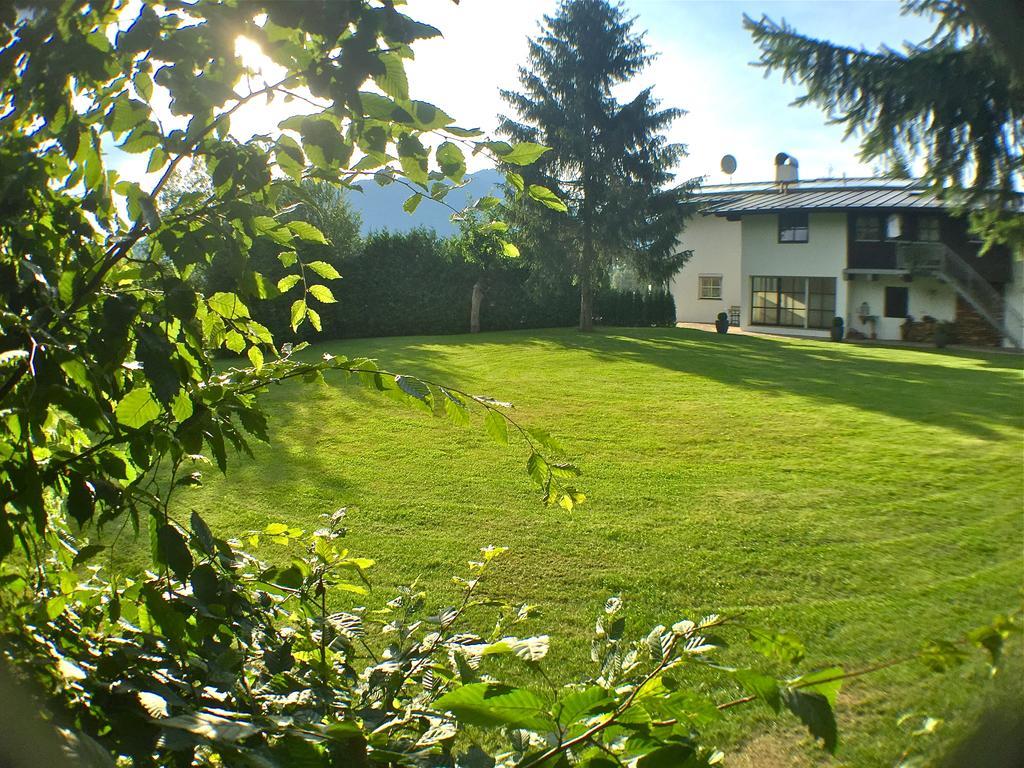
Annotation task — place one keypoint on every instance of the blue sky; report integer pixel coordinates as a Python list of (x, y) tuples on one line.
[(703, 67)]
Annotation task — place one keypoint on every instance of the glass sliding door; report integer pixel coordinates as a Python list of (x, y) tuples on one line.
[(821, 301), (793, 302)]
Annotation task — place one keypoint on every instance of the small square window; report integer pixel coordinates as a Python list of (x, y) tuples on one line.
[(709, 287), (928, 229), (896, 301), (869, 228), (793, 227)]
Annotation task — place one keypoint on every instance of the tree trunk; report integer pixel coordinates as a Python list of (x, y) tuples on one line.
[(474, 309), (586, 284), (586, 307)]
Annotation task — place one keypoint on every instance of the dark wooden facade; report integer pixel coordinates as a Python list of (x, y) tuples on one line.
[(995, 266)]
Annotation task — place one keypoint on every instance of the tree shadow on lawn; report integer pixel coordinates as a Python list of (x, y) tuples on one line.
[(924, 386)]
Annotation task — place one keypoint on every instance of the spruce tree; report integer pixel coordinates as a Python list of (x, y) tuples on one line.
[(609, 161)]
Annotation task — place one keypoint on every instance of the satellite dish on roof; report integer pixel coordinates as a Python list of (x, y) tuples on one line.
[(728, 164)]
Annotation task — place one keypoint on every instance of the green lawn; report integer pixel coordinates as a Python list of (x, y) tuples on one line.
[(862, 498)]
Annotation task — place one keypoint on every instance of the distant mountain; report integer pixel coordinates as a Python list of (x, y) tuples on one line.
[(381, 207)]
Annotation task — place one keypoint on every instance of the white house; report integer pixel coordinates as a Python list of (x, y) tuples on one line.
[(788, 256)]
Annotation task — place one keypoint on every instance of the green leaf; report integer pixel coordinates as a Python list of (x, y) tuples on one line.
[(771, 645), (463, 133), (86, 553), (314, 318), (516, 181), (509, 249), (212, 727), (427, 117), (287, 282), (496, 427), (306, 231), (412, 203), (393, 80), (202, 533), (325, 270), (81, 500), (764, 687), (667, 756), (173, 551), (576, 704), (537, 469), (829, 686), (323, 143), (545, 439), (137, 408), (814, 711), (228, 306), (455, 408), (412, 156), (234, 341), (143, 84), (451, 160), (255, 355), (322, 294), (181, 406), (546, 197), (524, 153), (493, 705), (298, 313), (413, 387)]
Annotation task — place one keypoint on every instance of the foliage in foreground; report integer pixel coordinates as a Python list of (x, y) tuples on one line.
[(110, 403), (242, 655)]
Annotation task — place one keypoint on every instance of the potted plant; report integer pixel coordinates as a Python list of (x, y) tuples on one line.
[(722, 323), (837, 328), (945, 333)]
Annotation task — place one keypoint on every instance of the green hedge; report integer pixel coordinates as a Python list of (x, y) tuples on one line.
[(399, 284)]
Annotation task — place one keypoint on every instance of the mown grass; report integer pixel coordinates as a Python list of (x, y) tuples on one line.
[(861, 498)]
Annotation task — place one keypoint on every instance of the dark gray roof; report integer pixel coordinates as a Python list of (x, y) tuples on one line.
[(816, 195)]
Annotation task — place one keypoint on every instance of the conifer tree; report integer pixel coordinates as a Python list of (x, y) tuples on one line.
[(610, 162)]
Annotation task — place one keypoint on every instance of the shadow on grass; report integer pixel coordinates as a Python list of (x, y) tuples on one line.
[(975, 393), (996, 740)]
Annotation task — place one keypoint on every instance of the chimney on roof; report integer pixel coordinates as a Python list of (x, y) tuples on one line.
[(786, 169)]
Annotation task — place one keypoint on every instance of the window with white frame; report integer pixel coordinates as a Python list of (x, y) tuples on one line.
[(709, 287)]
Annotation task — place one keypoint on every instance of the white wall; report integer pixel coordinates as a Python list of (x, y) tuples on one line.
[(715, 243), (823, 255), (927, 296)]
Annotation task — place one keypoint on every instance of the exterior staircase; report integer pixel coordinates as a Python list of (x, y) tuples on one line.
[(942, 262)]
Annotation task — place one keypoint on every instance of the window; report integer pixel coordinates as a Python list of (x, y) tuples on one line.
[(896, 301), (869, 227), (709, 287), (821, 301), (928, 229), (793, 227), (893, 226), (794, 302)]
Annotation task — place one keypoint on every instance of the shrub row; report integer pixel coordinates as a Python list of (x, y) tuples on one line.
[(400, 284)]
